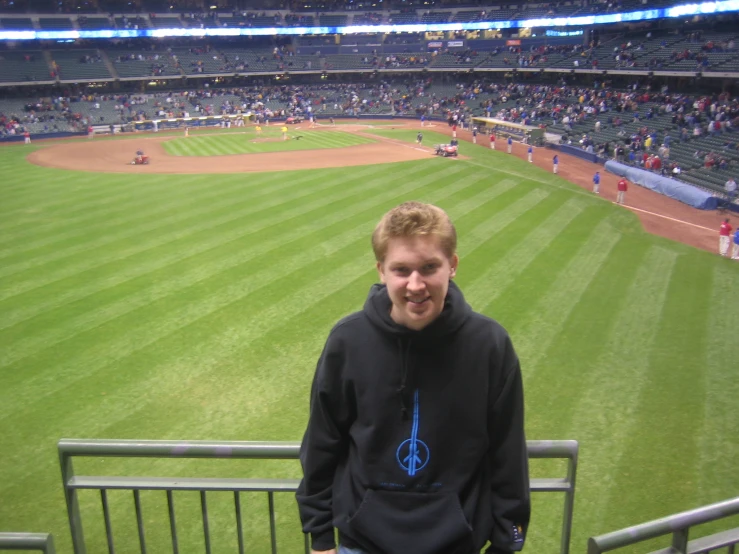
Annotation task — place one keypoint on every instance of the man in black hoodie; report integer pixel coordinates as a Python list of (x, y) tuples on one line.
[(415, 443)]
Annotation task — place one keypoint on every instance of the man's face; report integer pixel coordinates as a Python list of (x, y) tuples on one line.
[(417, 273)]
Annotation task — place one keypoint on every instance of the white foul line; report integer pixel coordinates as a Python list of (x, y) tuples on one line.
[(666, 217)]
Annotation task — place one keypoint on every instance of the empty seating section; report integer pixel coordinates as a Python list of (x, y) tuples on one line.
[(55, 24), (453, 60), (166, 23), (25, 66), (16, 24), (81, 65), (463, 16), (137, 22), (292, 20), (351, 61), (403, 18), (332, 20), (501, 14), (368, 18), (197, 60), (143, 63), (436, 17), (357, 40), (258, 60), (94, 23)]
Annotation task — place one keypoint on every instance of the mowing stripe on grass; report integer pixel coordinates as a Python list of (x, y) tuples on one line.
[(174, 208), (18, 285), (104, 353), (591, 320), (188, 206), (717, 472), (553, 307), (481, 233), (498, 276), (231, 144), (334, 247), (68, 183), (138, 342), (128, 207), (19, 309), (225, 291), (671, 404), (22, 344), (604, 416)]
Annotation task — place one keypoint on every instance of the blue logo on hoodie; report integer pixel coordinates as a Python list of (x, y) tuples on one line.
[(413, 454)]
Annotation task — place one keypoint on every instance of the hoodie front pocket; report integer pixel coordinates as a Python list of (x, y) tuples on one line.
[(417, 523)]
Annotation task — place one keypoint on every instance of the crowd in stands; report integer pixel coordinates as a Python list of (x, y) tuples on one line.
[(632, 114)]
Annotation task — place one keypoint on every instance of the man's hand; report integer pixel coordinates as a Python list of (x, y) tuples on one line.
[(332, 551)]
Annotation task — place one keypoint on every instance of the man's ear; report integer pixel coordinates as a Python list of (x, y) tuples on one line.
[(454, 264), (381, 273)]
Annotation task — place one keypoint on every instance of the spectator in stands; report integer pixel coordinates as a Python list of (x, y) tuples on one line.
[(730, 187), (365, 430)]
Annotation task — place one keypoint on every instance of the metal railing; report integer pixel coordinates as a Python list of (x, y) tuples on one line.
[(677, 525), (71, 448), (42, 542)]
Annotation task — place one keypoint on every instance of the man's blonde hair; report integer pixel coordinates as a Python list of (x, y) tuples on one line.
[(413, 219)]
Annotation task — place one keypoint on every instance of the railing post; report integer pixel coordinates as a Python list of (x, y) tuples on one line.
[(73, 508), (569, 506), (680, 541)]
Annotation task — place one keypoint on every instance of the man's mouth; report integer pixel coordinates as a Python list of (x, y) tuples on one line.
[(418, 301)]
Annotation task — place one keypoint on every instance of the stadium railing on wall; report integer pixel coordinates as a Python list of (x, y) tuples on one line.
[(677, 525), (41, 542), (70, 449)]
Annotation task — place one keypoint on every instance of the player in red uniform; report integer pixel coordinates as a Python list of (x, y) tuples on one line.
[(724, 237), (623, 186)]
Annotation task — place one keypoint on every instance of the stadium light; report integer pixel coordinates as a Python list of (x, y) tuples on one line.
[(721, 6)]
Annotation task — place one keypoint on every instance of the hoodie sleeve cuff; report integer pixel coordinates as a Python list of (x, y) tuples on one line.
[(323, 541)]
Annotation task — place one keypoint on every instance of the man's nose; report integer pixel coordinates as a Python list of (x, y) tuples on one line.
[(415, 282)]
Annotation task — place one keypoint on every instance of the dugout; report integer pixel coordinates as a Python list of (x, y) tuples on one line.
[(504, 129)]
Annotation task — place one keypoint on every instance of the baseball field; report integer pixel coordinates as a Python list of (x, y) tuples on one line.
[(190, 298)]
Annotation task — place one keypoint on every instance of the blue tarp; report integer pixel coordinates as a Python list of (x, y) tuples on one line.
[(685, 193)]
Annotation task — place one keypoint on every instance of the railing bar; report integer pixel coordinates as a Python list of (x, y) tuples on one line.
[(731, 548), (239, 524), (272, 530), (206, 529), (172, 522), (108, 526), (139, 520), (307, 543)]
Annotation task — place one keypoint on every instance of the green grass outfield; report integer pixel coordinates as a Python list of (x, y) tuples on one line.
[(248, 142), (195, 307)]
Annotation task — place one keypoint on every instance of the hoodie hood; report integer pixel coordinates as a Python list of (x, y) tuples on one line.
[(452, 317)]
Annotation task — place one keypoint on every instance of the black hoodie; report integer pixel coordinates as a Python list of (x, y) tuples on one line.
[(415, 442)]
